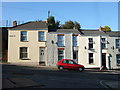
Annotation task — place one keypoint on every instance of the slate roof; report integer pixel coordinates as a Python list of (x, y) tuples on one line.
[(88, 32), (67, 31), (33, 25), (38, 25), (102, 33)]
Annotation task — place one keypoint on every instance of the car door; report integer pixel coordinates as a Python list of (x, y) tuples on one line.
[(65, 64), (72, 65)]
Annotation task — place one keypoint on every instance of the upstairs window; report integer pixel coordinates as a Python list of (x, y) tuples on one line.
[(90, 40), (103, 43), (74, 38), (23, 53), (23, 35), (90, 43), (41, 36), (60, 39), (117, 43)]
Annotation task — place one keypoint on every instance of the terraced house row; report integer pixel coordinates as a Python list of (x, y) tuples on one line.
[(32, 43)]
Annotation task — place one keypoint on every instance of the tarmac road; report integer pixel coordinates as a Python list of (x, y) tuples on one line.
[(44, 77)]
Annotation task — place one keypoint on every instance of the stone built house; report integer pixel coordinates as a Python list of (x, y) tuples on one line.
[(32, 43)]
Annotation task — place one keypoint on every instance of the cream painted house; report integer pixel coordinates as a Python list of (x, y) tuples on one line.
[(32, 44), (27, 43)]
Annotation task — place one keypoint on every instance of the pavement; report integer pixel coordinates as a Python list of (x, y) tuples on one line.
[(25, 82)]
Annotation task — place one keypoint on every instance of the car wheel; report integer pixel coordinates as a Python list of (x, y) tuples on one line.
[(61, 68), (80, 69)]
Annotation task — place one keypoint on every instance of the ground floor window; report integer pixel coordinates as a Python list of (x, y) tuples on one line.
[(118, 59), (23, 53), (60, 54), (90, 58)]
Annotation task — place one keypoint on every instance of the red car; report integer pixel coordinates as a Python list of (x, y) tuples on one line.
[(69, 64)]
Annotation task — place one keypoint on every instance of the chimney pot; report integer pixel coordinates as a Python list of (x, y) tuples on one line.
[(101, 29), (14, 23)]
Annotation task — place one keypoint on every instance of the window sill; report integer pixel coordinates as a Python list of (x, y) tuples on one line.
[(118, 64), (91, 49), (75, 46), (25, 59), (61, 46), (105, 48), (41, 41), (24, 41), (91, 63)]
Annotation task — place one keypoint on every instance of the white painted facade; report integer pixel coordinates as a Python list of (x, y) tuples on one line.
[(51, 49)]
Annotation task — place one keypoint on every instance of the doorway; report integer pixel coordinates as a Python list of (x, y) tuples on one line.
[(104, 60), (75, 56), (42, 56)]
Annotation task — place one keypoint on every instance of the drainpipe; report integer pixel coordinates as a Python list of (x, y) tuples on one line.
[(100, 52)]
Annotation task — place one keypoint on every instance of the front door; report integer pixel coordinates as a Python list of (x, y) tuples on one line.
[(104, 59), (42, 54), (75, 56)]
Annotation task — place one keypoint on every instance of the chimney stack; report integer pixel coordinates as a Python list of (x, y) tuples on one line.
[(47, 20), (101, 29), (14, 23)]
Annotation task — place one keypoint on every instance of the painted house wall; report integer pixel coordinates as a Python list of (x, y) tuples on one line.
[(84, 53), (52, 49), (33, 45), (112, 52)]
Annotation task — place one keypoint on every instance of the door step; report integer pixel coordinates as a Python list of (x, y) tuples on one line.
[(42, 63)]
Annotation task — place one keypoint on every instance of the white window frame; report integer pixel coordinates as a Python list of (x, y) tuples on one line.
[(91, 58), (26, 36), (90, 42), (24, 53), (40, 35), (75, 41), (117, 43), (63, 55), (63, 41), (104, 42)]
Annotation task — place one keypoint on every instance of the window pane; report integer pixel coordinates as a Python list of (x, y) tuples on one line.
[(60, 54), (74, 40), (117, 43), (41, 36), (65, 61), (23, 52), (71, 62), (90, 58), (60, 40), (60, 43), (90, 46), (23, 49), (103, 39), (74, 43), (103, 45), (118, 59), (90, 39), (23, 35)]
